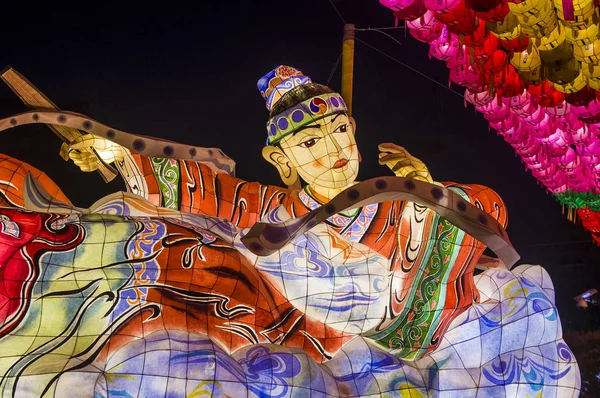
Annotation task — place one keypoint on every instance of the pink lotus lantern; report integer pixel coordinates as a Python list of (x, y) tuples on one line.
[(444, 47), (425, 22), (555, 144), (396, 5), (590, 153), (580, 185), (491, 107), (499, 114), (504, 125), (544, 129), (569, 162), (461, 60), (559, 111), (465, 77), (514, 135), (538, 161), (562, 189), (441, 5), (545, 175), (427, 36), (589, 113), (523, 105), (580, 136), (528, 147), (478, 99), (557, 181), (567, 122), (425, 28), (594, 128), (535, 118)]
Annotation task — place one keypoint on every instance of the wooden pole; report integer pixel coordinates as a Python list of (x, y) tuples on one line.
[(348, 65)]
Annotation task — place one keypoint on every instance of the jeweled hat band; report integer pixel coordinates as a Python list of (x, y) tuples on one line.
[(302, 114)]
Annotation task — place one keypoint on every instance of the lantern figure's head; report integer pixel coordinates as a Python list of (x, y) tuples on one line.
[(309, 132)]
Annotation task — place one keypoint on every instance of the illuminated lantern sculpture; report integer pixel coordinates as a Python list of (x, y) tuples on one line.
[(156, 294)]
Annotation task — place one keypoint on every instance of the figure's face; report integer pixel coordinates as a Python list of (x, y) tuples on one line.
[(324, 153)]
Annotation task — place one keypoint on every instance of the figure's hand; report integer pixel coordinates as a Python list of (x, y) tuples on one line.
[(79, 151), (402, 163)]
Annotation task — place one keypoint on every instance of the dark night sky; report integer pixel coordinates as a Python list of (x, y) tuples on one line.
[(189, 75)]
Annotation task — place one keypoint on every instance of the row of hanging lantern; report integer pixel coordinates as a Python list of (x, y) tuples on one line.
[(531, 68)]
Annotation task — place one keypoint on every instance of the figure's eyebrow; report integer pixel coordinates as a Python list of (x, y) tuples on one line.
[(336, 116), (308, 126)]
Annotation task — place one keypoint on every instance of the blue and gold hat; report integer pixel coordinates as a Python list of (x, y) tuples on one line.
[(279, 81)]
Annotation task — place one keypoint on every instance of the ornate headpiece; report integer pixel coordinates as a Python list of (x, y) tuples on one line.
[(279, 81)]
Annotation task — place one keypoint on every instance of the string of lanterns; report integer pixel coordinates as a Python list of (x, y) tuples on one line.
[(532, 69)]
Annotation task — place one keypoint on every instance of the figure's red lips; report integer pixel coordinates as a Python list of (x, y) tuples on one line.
[(340, 163)]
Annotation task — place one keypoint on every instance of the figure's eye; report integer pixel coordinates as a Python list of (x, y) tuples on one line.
[(341, 128), (309, 143)]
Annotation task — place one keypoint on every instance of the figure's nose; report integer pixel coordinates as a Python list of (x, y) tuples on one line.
[(333, 146)]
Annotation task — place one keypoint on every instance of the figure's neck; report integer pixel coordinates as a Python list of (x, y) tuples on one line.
[(323, 194)]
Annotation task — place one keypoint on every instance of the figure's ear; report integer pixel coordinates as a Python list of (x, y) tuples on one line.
[(282, 163), (353, 124)]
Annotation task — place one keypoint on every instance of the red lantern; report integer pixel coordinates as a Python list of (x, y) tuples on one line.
[(581, 97), (546, 95), (507, 82), (489, 46), (516, 45), (477, 38), (496, 62), (496, 14)]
